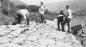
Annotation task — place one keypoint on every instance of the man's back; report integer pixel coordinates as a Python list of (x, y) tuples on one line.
[(24, 12)]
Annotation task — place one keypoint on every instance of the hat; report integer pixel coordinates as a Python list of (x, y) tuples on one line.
[(67, 5)]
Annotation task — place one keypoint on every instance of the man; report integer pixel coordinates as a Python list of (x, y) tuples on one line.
[(23, 13), (67, 18), (41, 11), (60, 19)]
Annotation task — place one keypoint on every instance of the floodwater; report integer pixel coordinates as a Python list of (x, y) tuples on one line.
[(80, 20)]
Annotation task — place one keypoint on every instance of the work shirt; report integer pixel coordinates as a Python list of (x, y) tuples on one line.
[(68, 13), (24, 12), (42, 10)]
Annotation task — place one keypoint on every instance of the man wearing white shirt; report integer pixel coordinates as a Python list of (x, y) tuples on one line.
[(42, 8), (67, 18), (23, 13), (41, 11)]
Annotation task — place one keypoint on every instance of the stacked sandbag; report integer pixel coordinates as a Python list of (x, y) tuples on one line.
[(36, 35)]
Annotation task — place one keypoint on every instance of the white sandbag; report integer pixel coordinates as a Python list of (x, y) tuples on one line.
[(11, 45), (46, 41), (41, 46), (51, 46), (4, 40), (38, 35)]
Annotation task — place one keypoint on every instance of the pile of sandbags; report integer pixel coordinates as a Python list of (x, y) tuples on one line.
[(36, 35)]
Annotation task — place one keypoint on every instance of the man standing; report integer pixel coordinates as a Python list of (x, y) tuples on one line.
[(67, 18), (60, 19), (41, 11), (23, 13)]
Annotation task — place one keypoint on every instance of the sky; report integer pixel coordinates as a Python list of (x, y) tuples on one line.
[(54, 5), (37, 2)]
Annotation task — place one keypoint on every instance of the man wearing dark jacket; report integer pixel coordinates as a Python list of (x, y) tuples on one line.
[(60, 19)]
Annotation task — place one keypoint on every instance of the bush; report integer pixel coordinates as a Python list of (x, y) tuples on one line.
[(5, 11)]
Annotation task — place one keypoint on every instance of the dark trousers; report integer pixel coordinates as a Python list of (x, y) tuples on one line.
[(66, 21), (27, 20), (60, 20), (42, 18), (19, 18)]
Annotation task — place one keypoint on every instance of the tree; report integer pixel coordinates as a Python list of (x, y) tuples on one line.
[(7, 7)]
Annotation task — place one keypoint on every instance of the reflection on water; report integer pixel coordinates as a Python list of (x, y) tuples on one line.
[(78, 20)]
